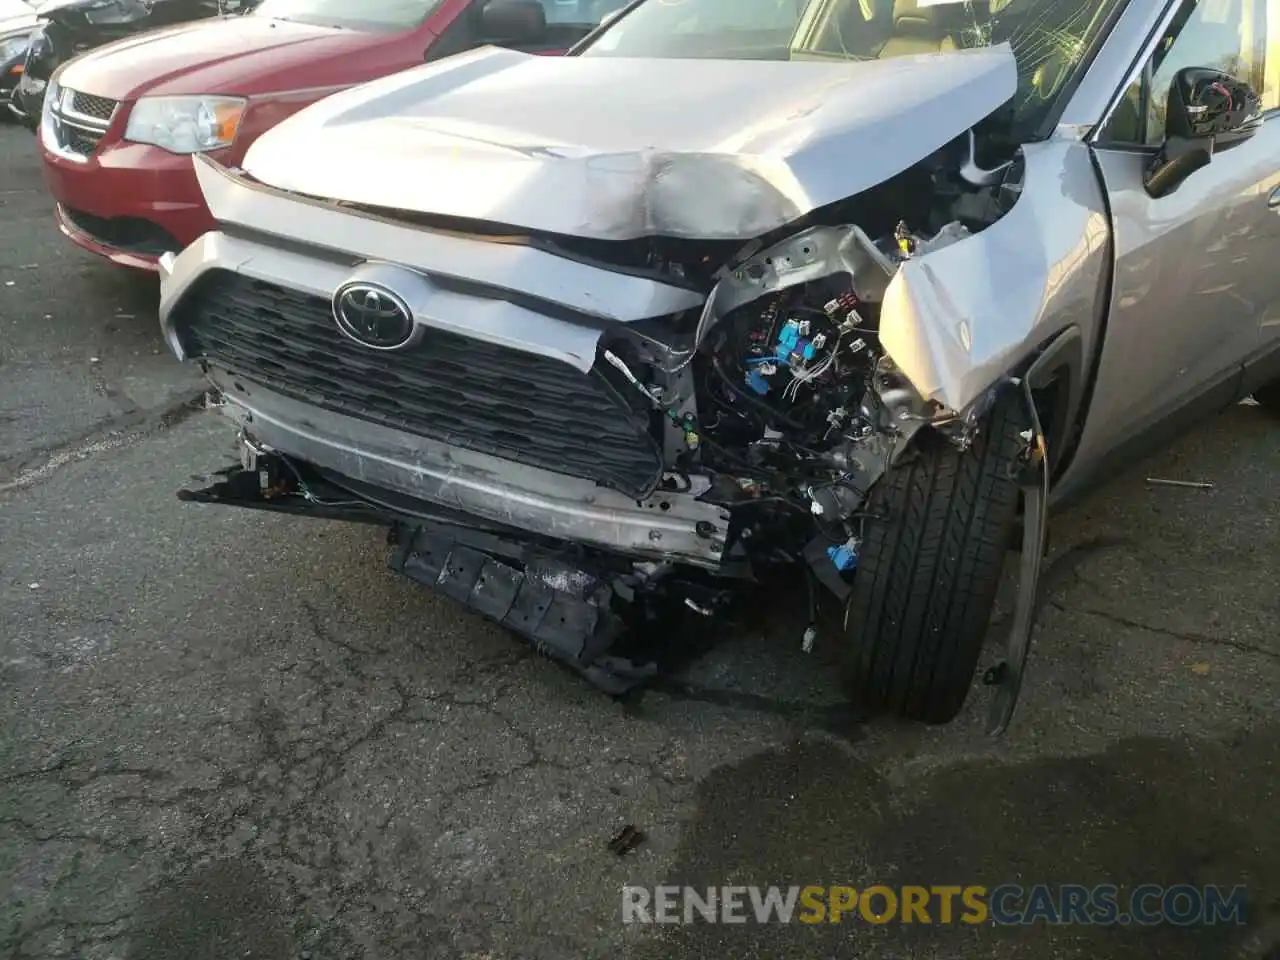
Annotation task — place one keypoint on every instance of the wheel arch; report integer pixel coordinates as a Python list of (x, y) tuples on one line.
[(1057, 377)]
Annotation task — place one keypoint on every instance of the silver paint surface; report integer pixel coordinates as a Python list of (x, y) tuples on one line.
[(957, 318), (502, 264), (497, 321), (618, 148), (1194, 289)]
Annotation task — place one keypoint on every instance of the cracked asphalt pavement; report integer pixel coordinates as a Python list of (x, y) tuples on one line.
[(229, 735)]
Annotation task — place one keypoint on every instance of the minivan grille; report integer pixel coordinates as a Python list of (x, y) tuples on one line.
[(80, 121), (87, 105)]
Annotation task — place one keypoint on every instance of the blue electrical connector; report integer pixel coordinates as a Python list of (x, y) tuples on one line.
[(791, 344), (845, 557), (790, 341), (757, 382)]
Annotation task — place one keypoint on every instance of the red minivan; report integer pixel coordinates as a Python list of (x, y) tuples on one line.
[(120, 123)]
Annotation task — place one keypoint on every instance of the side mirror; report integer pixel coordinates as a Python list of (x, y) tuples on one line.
[(1207, 111), (511, 22)]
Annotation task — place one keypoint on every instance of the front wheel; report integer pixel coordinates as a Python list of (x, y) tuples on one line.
[(927, 573)]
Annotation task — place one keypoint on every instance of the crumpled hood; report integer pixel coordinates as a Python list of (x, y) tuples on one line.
[(618, 148), (231, 55)]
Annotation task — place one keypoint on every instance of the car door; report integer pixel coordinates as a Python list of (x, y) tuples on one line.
[(1194, 270)]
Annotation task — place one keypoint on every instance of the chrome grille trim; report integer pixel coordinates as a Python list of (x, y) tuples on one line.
[(77, 134)]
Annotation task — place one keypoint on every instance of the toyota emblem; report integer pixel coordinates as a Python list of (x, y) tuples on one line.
[(372, 315)]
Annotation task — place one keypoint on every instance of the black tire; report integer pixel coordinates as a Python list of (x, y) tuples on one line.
[(927, 573), (1268, 398)]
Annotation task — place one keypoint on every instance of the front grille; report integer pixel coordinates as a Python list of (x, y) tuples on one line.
[(79, 121), (131, 234), (87, 105), (78, 141), (462, 391)]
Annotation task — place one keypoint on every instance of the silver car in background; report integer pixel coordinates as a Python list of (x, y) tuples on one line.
[(849, 286)]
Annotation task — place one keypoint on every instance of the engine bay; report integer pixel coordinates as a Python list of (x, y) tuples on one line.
[(781, 404)]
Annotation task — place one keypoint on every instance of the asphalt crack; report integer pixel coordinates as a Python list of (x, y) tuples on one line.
[(1187, 636), (74, 779), (34, 833), (119, 432)]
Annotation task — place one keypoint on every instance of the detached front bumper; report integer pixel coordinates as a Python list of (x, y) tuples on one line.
[(667, 526), (575, 605)]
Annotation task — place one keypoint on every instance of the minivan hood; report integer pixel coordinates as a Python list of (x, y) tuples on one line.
[(17, 24), (236, 55), (617, 148)]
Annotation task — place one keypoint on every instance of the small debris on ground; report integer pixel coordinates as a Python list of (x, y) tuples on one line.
[(806, 642), (1200, 669), (1190, 484), (626, 840)]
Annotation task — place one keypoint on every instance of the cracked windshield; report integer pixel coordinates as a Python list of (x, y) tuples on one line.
[(1049, 38)]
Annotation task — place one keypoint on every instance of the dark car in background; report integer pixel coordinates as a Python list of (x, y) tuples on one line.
[(17, 20), (68, 28)]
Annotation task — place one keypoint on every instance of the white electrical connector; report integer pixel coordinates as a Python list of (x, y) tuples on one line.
[(622, 368)]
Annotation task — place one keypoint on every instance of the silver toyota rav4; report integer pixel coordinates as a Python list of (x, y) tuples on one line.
[(857, 287)]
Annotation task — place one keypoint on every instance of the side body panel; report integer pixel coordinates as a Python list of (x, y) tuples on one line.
[(1190, 298), (1264, 366), (1188, 290), (956, 319)]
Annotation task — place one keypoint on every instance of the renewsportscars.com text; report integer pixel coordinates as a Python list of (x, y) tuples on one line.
[(1004, 905)]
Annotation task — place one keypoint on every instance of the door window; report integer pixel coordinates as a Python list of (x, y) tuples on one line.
[(1238, 37)]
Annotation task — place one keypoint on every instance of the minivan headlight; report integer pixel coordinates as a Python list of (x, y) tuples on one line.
[(185, 124)]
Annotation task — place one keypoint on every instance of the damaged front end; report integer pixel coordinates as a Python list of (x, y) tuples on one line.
[(563, 432)]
